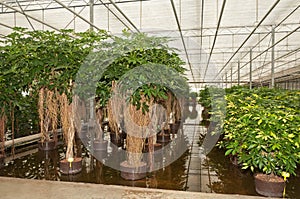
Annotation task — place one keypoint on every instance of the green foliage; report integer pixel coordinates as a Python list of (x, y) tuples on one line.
[(121, 55), (30, 60), (204, 97), (262, 129)]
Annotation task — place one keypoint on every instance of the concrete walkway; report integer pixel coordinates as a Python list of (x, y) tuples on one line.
[(12, 188)]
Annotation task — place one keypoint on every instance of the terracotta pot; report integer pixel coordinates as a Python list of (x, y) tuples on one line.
[(70, 168), (129, 172), (47, 145), (269, 185)]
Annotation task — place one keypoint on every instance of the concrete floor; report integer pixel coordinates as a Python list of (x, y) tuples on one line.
[(12, 188)]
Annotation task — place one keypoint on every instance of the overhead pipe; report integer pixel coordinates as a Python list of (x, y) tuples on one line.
[(182, 39), (215, 37), (201, 29)]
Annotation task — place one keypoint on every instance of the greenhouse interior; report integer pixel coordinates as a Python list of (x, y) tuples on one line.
[(149, 99)]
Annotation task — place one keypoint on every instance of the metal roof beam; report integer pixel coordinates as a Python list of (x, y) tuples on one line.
[(182, 39), (29, 16), (76, 14), (215, 37), (244, 42)]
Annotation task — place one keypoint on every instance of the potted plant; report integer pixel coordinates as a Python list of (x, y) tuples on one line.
[(119, 57), (262, 130), (205, 102)]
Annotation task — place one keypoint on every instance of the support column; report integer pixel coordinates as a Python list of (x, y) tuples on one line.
[(250, 72), (91, 14), (226, 80), (231, 77), (239, 72), (273, 58)]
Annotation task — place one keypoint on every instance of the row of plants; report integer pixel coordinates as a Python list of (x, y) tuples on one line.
[(59, 73), (261, 130), (37, 71)]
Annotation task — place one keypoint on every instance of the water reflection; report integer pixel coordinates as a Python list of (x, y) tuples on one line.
[(45, 165), (230, 179)]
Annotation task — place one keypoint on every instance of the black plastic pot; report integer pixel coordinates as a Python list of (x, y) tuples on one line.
[(47, 145), (2, 158), (174, 127), (100, 145), (116, 140), (129, 172), (163, 138), (70, 168)]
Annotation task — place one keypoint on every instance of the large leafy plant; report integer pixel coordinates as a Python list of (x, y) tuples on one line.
[(262, 129), (31, 61)]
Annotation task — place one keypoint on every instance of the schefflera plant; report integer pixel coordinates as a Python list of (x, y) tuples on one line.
[(262, 130), (133, 51)]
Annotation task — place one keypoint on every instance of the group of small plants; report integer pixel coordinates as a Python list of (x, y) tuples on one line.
[(260, 129)]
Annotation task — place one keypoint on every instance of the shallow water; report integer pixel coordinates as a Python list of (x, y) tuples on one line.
[(224, 177)]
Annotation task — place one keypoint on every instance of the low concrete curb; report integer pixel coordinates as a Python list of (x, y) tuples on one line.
[(11, 188)]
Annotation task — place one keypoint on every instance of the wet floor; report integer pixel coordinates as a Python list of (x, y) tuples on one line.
[(45, 165), (191, 172)]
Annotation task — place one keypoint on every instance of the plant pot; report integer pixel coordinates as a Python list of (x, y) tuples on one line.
[(100, 155), (129, 172), (100, 145), (2, 162), (174, 127), (205, 114), (47, 145), (269, 185), (70, 168), (163, 138), (116, 140), (157, 146)]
